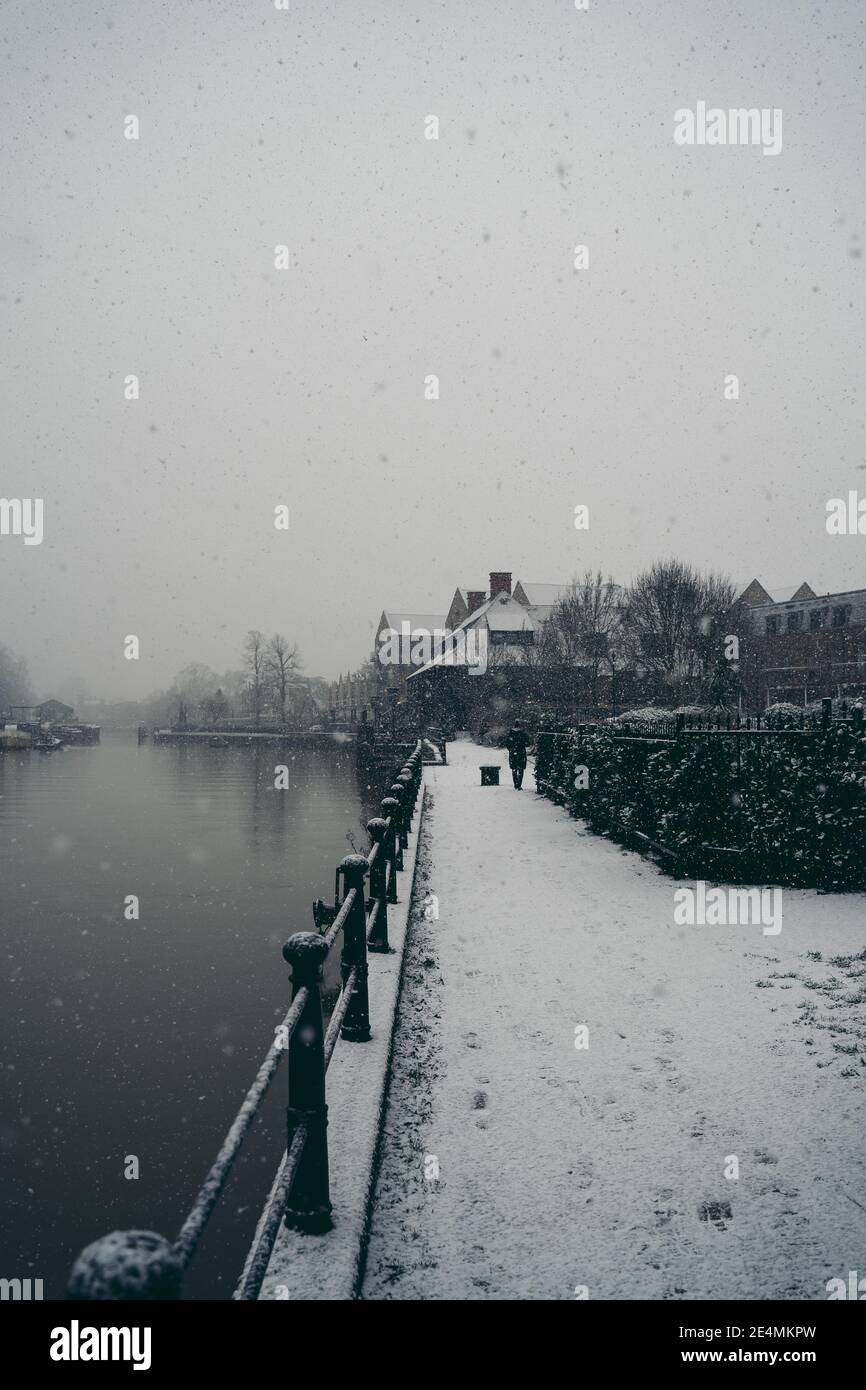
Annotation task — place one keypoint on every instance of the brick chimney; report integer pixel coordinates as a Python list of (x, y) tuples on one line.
[(475, 598), (500, 583)]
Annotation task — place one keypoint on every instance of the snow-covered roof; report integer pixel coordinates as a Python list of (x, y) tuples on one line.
[(541, 595), (426, 622), (760, 595), (504, 618), (500, 614), (784, 593)]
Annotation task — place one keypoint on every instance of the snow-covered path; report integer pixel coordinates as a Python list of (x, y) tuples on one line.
[(561, 1167)]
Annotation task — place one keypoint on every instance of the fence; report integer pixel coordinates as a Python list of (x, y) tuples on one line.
[(733, 800), (804, 721), (144, 1265)]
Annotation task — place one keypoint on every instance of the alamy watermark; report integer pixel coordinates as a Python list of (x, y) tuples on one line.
[(855, 1288), (736, 126), (20, 1290), (22, 516), (418, 646), (720, 907), (846, 519)]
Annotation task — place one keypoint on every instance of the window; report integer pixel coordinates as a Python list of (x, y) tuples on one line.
[(841, 615), (795, 622), (773, 624), (817, 619)]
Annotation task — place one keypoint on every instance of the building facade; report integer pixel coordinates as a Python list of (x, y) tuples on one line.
[(800, 646)]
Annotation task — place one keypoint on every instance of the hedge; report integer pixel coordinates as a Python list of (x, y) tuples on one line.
[(793, 813)]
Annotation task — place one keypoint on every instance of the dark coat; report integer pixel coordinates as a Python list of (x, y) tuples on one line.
[(516, 745)]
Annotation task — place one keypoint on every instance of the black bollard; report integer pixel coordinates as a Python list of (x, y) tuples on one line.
[(378, 830), (309, 1205), (356, 1024), (390, 806), (398, 792)]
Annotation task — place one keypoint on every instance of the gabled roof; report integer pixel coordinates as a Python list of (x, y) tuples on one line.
[(539, 595), (754, 594), (502, 618), (793, 591), (427, 622), (500, 614)]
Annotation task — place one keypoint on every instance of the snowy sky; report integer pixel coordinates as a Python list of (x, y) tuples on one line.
[(410, 257)]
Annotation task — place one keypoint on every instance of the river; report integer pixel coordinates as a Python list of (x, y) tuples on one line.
[(137, 1039)]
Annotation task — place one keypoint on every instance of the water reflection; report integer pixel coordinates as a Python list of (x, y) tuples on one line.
[(140, 1036)]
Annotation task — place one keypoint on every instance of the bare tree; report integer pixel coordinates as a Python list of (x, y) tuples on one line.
[(584, 630), (282, 662), (255, 660), (215, 707), (15, 688), (187, 692), (672, 619)]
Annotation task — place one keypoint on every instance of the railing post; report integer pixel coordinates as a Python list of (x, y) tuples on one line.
[(398, 791), (378, 830), (389, 804), (309, 1205), (413, 771), (391, 809), (356, 1024), (404, 780)]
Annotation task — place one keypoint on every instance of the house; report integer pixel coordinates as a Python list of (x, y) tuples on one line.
[(397, 632), (464, 603), (541, 599), (800, 646), (48, 712), (484, 665), (347, 700)]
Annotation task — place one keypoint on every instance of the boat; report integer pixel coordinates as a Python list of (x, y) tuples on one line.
[(46, 743)]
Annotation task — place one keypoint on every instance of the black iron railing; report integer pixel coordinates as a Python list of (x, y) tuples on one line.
[(144, 1265)]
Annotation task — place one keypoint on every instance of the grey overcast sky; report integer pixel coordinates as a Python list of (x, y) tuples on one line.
[(409, 257)]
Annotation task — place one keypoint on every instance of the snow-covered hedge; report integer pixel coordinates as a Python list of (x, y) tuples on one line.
[(649, 714), (784, 715), (794, 807)]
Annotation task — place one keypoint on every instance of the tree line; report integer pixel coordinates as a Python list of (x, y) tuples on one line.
[(15, 687), (262, 688), (667, 625)]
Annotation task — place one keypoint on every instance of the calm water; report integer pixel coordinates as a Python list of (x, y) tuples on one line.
[(141, 1037)]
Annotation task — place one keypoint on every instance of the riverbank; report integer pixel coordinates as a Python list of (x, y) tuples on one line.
[(518, 1163)]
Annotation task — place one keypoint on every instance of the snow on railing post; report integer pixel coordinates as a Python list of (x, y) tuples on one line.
[(395, 796), (309, 1204), (388, 804), (127, 1266), (399, 790), (378, 831), (404, 780), (416, 767), (679, 725), (409, 773), (356, 1024)]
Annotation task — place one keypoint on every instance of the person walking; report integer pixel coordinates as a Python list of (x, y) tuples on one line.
[(516, 745)]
